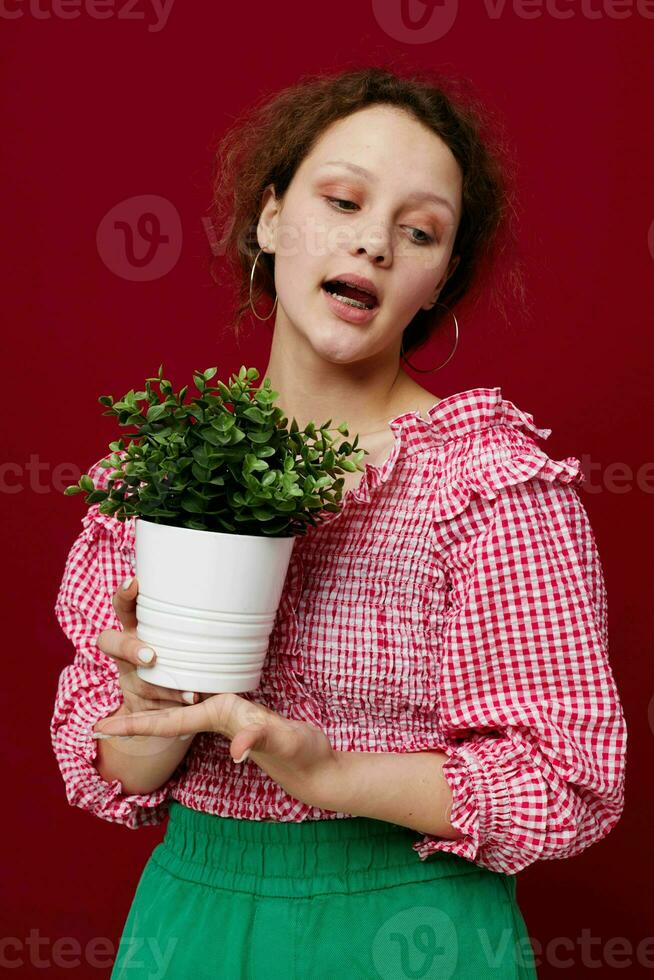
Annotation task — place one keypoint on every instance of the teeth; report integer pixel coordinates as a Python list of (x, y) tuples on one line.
[(348, 299), (351, 302)]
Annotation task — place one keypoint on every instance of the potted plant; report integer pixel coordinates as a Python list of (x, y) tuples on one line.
[(219, 489)]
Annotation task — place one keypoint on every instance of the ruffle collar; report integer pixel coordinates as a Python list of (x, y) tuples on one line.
[(458, 415)]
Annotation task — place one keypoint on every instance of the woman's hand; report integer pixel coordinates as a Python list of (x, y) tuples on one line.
[(124, 646), (296, 754)]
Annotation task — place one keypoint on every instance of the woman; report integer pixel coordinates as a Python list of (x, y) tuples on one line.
[(437, 710)]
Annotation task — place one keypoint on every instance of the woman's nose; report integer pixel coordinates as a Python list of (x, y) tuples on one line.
[(375, 240)]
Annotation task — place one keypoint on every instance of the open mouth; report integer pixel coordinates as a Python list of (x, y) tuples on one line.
[(354, 296)]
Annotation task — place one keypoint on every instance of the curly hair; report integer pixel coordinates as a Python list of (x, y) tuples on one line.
[(269, 141)]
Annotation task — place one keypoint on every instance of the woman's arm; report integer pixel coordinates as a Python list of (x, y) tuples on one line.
[(88, 689), (142, 763), (408, 789), (527, 703)]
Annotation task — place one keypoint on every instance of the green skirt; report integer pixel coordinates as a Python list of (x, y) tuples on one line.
[(238, 899)]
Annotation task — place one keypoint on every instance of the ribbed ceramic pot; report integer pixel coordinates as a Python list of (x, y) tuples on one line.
[(206, 604)]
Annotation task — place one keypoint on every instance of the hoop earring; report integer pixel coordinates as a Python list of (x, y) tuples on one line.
[(251, 303), (456, 343)]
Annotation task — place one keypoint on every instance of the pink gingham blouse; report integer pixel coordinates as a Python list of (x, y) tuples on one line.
[(456, 603)]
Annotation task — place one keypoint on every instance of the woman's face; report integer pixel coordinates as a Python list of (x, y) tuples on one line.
[(378, 196)]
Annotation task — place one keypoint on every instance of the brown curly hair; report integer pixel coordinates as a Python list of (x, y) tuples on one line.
[(269, 141)]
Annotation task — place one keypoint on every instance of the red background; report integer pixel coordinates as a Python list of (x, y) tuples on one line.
[(97, 111)]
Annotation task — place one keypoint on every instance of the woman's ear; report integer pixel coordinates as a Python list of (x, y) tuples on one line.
[(267, 224), (454, 261)]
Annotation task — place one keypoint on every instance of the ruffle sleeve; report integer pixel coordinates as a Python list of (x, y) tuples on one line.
[(530, 714), (508, 455), (88, 689)]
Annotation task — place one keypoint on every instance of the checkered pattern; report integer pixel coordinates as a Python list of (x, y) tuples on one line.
[(456, 603)]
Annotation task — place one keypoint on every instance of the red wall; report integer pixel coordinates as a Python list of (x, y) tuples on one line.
[(98, 111)]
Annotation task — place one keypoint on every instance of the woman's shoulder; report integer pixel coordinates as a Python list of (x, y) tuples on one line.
[(412, 397), (97, 525), (483, 444)]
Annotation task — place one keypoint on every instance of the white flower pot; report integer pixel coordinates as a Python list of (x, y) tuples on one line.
[(206, 604)]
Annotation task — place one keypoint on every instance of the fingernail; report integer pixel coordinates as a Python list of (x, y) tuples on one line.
[(244, 756), (145, 655), (189, 697), (127, 583), (101, 735), (184, 738)]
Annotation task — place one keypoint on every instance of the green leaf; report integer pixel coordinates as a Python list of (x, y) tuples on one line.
[(192, 506), (255, 414), (86, 483), (162, 437), (156, 412), (215, 438), (200, 473), (96, 497), (261, 437)]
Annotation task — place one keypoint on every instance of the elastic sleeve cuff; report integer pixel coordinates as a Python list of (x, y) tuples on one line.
[(77, 751), (464, 815), (499, 804), (480, 805)]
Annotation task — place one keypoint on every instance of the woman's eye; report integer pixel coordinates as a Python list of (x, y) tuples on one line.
[(425, 240), (340, 200)]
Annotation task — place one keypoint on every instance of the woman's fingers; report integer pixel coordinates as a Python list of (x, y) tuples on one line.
[(155, 692), (138, 703), (127, 647), (124, 602), (215, 715), (166, 722)]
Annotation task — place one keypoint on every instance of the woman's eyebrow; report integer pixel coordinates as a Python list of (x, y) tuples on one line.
[(413, 196)]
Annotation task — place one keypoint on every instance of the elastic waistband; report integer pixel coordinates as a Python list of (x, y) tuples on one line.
[(297, 859)]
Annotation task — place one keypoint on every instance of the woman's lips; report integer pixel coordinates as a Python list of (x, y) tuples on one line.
[(346, 312)]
